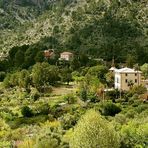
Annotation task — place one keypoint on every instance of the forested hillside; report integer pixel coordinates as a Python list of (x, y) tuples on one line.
[(102, 28)]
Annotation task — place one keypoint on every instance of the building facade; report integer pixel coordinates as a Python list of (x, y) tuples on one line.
[(66, 56), (125, 78)]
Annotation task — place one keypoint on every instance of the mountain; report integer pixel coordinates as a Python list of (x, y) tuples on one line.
[(100, 27)]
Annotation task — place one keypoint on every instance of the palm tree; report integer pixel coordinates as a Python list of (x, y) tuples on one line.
[(130, 84)]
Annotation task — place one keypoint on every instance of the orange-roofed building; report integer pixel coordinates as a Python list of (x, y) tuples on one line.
[(49, 53)]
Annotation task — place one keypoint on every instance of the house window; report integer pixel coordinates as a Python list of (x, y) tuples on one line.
[(135, 80), (125, 80), (126, 74), (135, 74)]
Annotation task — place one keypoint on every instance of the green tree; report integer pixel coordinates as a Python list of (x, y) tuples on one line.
[(93, 131), (134, 133), (19, 58), (83, 94), (76, 76), (75, 63), (70, 98), (138, 90), (109, 79), (44, 74), (98, 71), (29, 57), (6, 82), (2, 75), (130, 84), (12, 53), (110, 109), (83, 58), (130, 61), (91, 83), (144, 69), (66, 75), (24, 79), (39, 57), (14, 79), (46, 142)]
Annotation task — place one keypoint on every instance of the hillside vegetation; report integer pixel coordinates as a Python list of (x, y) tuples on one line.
[(102, 28)]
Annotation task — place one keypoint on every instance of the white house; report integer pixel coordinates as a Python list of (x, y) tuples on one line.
[(66, 56), (126, 77)]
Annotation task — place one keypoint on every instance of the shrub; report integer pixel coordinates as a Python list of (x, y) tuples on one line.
[(5, 144), (26, 111), (56, 110), (114, 94), (6, 81), (93, 98), (70, 98), (46, 142), (50, 137), (120, 118), (25, 120), (137, 103), (83, 95), (26, 144), (68, 121), (35, 94), (138, 90), (43, 109), (131, 113), (141, 108), (7, 116)]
